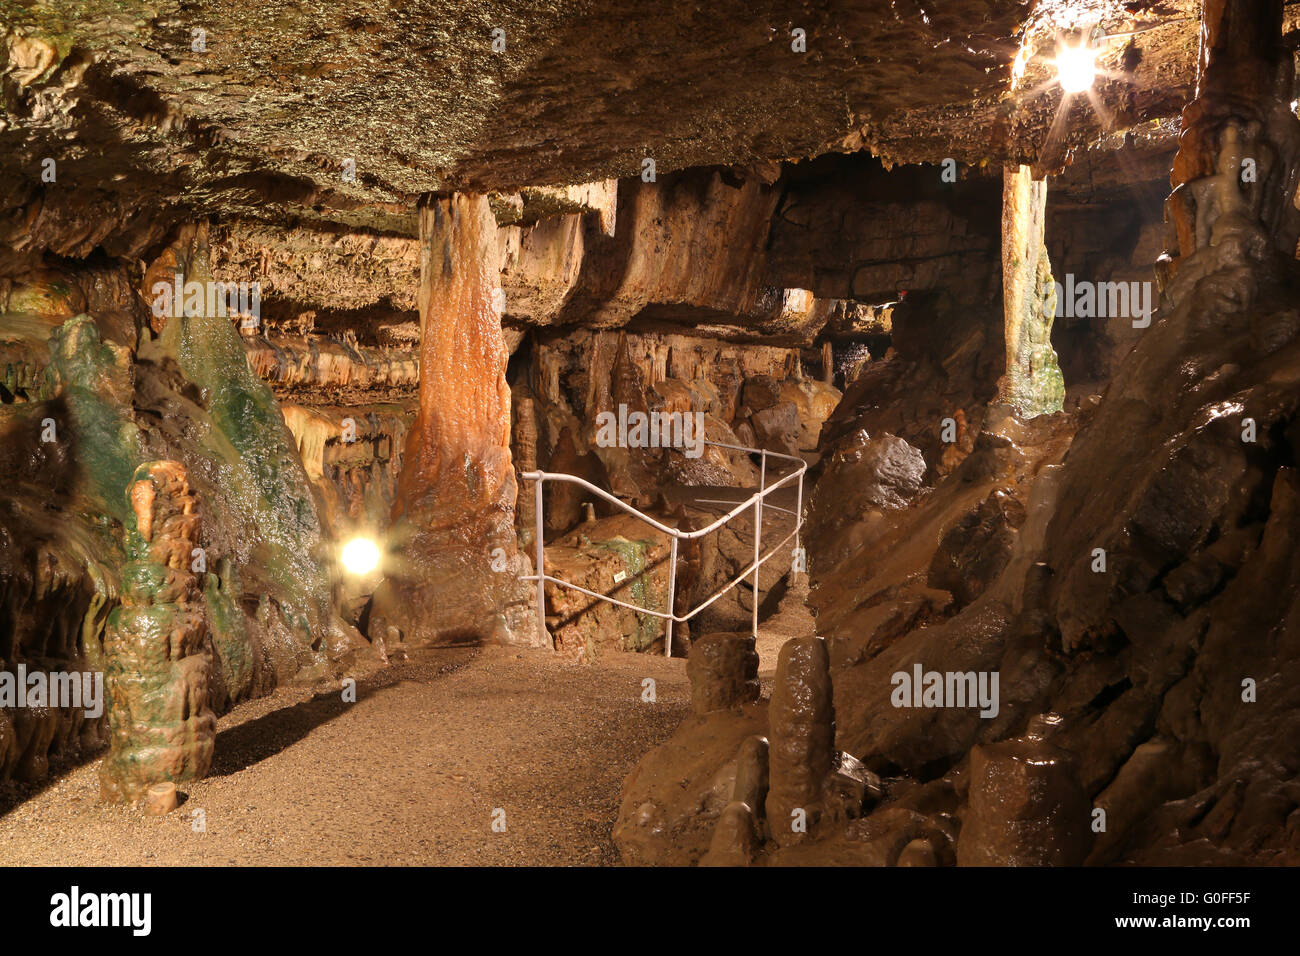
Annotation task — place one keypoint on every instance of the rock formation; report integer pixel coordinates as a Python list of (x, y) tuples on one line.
[(158, 659), (802, 719), (1033, 384), (1026, 807), (1149, 617), (456, 493), (723, 668)]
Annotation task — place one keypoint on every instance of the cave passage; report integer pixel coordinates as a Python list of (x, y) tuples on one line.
[(650, 436)]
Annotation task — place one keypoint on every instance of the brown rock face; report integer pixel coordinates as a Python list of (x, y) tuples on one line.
[(777, 428), (1155, 655), (577, 94), (453, 521), (802, 730)]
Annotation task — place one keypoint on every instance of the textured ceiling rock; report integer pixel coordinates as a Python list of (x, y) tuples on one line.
[(292, 109), (690, 248)]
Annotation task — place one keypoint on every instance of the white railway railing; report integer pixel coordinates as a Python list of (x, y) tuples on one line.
[(757, 501)]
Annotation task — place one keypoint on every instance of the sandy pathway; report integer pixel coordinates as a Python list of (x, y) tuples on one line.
[(409, 774)]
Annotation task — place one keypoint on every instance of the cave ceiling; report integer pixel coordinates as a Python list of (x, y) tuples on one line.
[(262, 120)]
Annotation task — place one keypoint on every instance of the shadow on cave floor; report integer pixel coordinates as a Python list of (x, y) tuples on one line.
[(248, 742)]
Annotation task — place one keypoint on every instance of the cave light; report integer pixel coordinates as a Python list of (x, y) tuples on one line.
[(360, 556), (1076, 68)]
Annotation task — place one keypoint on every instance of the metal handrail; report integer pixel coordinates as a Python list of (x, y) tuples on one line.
[(756, 501)]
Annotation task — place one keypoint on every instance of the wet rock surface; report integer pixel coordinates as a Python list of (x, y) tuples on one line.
[(801, 721), (1026, 806)]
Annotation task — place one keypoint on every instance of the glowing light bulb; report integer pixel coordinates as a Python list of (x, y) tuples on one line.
[(1076, 68), (360, 556)]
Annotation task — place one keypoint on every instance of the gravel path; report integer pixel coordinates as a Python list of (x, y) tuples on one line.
[(409, 774)]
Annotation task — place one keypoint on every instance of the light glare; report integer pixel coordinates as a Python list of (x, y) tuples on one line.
[(360, 556), (1076, 68)]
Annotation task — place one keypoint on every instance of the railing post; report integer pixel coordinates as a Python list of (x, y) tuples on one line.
[(798, 516), (541, 568), (758, 532), (672, 593)]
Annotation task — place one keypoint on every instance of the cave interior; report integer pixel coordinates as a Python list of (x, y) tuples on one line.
[(921, 380)]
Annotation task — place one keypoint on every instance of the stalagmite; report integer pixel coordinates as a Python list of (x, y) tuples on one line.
[(1026, 805), (454, 517), (723, 670), (802, 724), (524, 442), (738, 833), (734, 839), (158, 658), (160, 799), (752, 769)]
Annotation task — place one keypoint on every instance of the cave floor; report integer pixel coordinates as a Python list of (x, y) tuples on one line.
[(409, 774)]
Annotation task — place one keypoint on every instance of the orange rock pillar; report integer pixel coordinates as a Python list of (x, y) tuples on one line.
[(454, 565)]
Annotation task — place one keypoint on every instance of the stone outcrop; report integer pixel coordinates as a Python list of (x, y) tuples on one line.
[(672, 800), (620, 556)]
